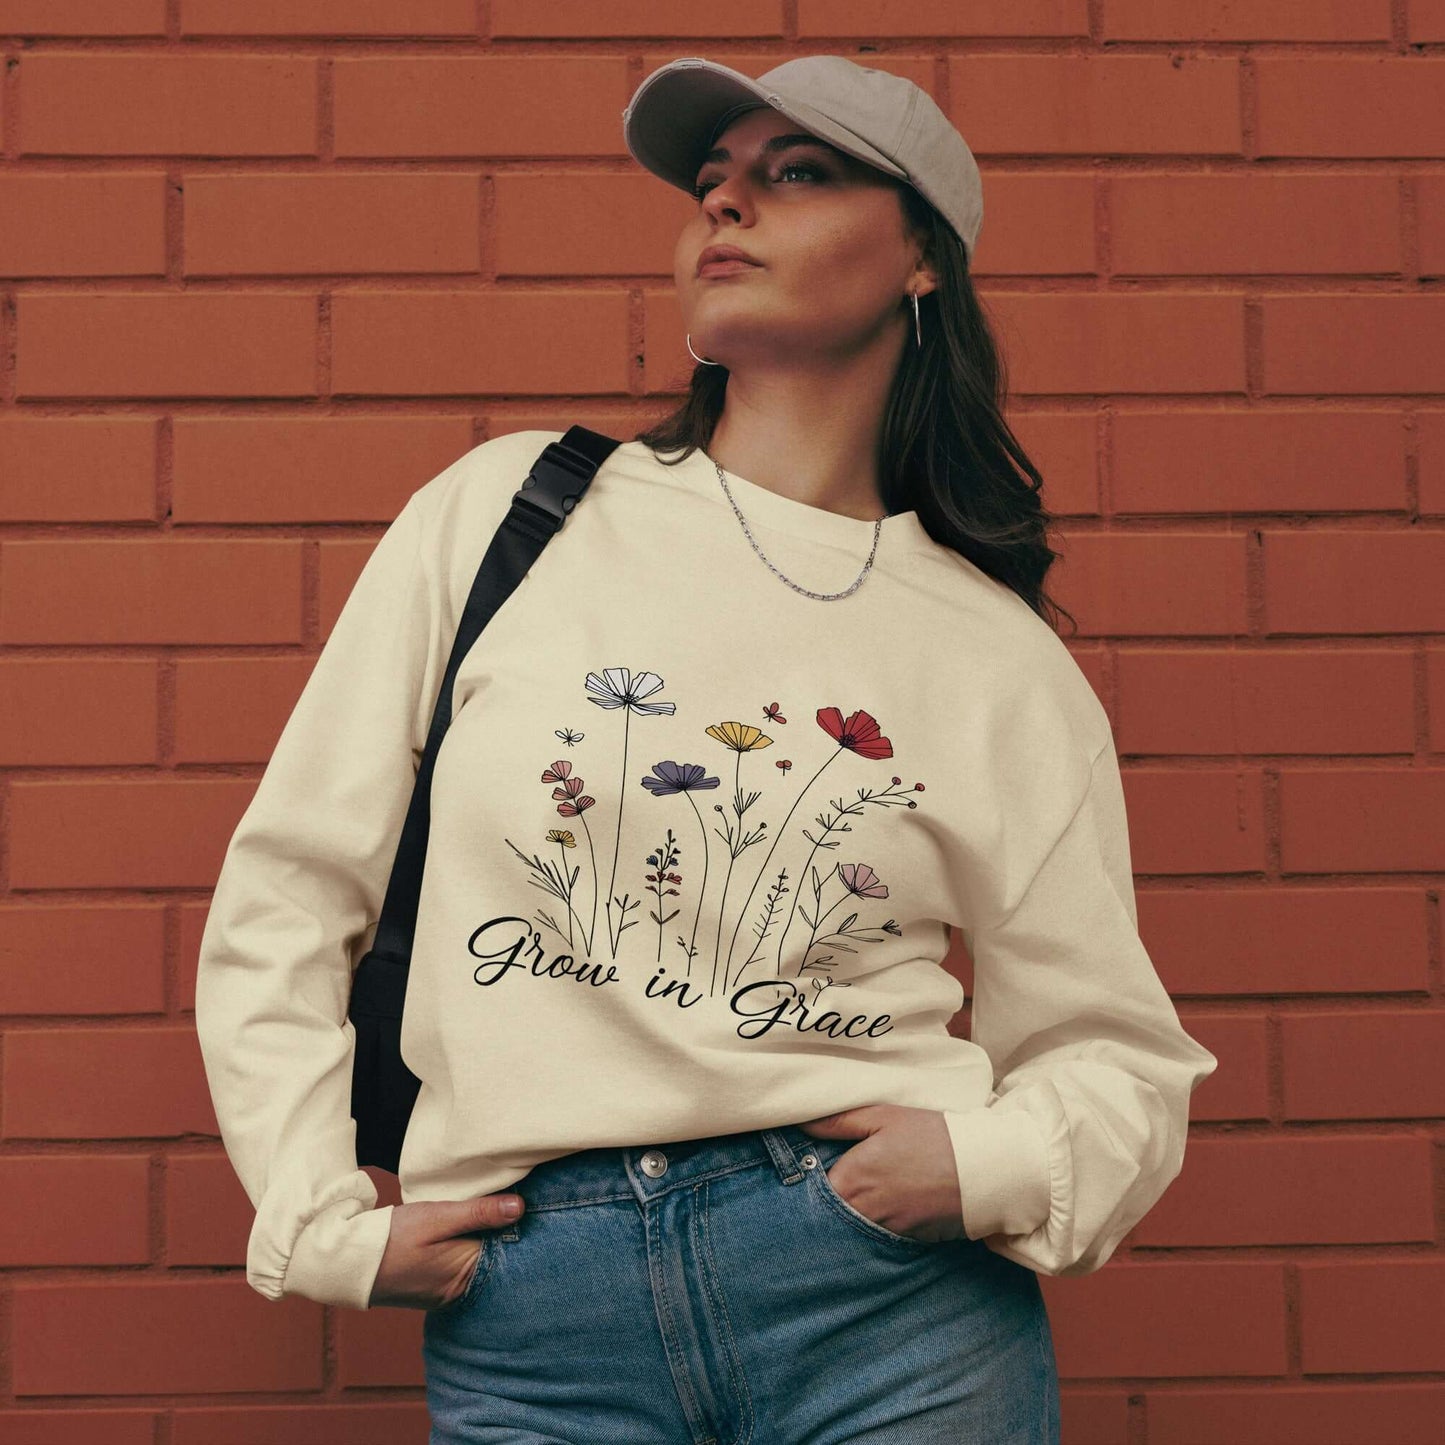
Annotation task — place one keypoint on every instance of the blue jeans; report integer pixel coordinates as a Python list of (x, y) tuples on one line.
[(719, 1292)]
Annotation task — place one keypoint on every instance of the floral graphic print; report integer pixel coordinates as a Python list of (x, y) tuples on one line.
[(774, 906)]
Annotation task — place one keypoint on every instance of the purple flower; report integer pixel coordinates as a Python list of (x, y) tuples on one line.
[(672, 777)]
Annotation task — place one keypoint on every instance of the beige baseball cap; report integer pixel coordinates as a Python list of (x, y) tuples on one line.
[(880, 118)]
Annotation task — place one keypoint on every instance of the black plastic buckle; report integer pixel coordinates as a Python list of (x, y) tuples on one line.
[(549, 489)]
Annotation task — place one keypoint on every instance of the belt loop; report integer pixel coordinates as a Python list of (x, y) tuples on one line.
[(785, 1160)]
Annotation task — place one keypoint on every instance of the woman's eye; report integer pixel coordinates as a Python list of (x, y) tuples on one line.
[(703, 187)]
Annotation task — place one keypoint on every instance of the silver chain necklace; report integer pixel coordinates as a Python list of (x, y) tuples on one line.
[(807, 592)]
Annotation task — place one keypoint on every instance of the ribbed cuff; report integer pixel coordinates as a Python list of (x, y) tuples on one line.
[(337, 1254), (1003, 1170)]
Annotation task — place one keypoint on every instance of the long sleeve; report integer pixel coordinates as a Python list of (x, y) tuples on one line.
[(1093, 1072), (295, 904)]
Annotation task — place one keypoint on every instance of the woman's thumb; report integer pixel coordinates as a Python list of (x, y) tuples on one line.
[(493, 1209)]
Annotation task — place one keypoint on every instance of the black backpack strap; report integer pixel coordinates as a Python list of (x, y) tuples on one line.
[(558, 480)]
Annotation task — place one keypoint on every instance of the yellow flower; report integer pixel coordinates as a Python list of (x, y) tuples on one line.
[(562, 836), (740, 737)]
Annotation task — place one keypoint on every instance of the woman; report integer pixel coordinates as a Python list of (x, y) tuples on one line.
[(765, 1195)]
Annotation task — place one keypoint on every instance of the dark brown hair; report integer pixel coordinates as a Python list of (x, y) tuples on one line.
[(947, 450)]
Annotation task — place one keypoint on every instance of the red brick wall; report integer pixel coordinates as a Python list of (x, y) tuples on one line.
[(268, 265)]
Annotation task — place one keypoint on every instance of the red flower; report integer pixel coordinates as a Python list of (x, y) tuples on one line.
[(859, 734)]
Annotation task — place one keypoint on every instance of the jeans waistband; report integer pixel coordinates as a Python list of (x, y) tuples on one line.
[(647, 1171)]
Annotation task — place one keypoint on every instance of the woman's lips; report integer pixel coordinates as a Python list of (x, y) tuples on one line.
[(725, 268)]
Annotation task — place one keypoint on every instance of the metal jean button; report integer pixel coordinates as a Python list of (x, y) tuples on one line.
[(654, 1163)]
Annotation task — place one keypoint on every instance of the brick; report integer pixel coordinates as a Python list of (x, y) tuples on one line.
[(428, 343), (344, 19), (161, 1337), (1173, 584), (1275, 940), (208, 1216), (346, 223), (1097, 104), (1225, 20), (243, 344), (579, 19), (1064, 446), (1266, 700), (1169, 1320), (1254, 225), (1430, 221), (77, 469), (160, 832), (1305, 459), (404, 1422), (1361, 820), (470, 106), (266, 469), (623, 419), (1077, 342), (150, 591), (232, 709), (1239, 1088), (105, 1083), (71, 224), (82, 958), (1225, 809), (139, 103), (1430, 432), (83, 18), (1039, 224), (1299, 1414), (1435, 696), (74, 1209), (60, 1426), (77, 711), (1361, 345), (1366, 581), (876, 19), (1425, 21), (1364, 1064), (1350, 105), (1340, 1189), (1094, 1417), (633, 223), (378, 1347), (1383, 1316)]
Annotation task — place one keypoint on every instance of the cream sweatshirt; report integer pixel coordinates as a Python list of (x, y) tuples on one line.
[(695, 839)]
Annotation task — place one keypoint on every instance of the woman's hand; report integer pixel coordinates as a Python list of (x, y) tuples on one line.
[(902, 1173), (429, 1255)]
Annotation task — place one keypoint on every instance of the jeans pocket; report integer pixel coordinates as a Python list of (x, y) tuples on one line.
[(818, 1170), (474, 1282)]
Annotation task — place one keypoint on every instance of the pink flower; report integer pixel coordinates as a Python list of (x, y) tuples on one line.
[(859, 878)]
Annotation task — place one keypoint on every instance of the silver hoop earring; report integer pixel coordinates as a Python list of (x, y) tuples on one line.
[(696, 357), (917, 328)]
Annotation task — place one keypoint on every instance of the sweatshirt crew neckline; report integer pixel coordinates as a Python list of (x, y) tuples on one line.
[(764, 507)]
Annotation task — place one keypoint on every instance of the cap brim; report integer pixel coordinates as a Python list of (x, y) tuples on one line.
[(675, 112)]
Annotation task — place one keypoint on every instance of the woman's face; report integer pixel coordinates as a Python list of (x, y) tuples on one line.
[(828, 232)]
